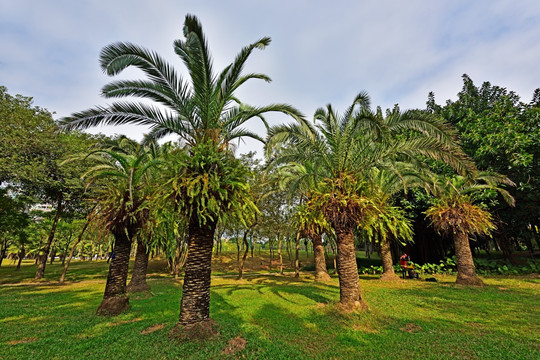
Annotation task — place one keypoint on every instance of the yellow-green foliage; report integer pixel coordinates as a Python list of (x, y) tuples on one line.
[(341, 201), (458, 214), (208, 181), (388, 221)]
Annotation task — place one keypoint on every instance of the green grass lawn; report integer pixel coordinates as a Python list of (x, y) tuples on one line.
[(278, 317)]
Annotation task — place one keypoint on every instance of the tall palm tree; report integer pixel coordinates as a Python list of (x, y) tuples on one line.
[(454, 213), (207, 116), (342, 149), (120, 181)]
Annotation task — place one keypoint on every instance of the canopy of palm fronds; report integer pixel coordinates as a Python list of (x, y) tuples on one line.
[(208, 182), (457, 214), (341, 201), (201, 109)]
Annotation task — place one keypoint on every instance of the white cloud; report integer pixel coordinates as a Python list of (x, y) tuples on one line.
[(321, 52)]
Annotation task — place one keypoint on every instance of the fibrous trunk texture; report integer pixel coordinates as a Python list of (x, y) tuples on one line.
[(465, 265), (350, 295), (195, 305), (140, 266), (115, 299), (388, 266), (321, 273)]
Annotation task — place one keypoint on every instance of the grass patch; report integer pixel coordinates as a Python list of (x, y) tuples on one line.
[(275, 317)]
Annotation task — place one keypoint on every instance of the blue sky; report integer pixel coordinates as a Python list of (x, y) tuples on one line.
[(321, 51)]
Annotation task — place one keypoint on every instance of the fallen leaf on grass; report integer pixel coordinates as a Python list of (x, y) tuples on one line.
[(153, 328), (122, 322), (22, 341), (235, 345), (411, 327)]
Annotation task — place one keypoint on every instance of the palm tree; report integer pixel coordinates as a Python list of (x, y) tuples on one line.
[(343, 149), (389, 223), (207, 117), (454, 213), (120, 179), (297, 180)]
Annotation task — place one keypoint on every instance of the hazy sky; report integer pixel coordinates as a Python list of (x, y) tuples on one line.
[(321, 51)]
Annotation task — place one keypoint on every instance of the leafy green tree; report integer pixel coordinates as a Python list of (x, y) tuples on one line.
[(455, 214), (342, 148), (207, 117), (13, 221), (501, 134), (31, 160)]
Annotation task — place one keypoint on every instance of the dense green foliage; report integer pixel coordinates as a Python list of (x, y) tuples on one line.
[(501, 134)]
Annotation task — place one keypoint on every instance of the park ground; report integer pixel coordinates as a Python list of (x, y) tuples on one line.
[(268, 316)]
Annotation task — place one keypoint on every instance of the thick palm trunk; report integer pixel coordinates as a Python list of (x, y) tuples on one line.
[(350, 294), (321, 273), (387, 263), (465, 264), (140, 267), (115, 299), (40, 272), (195, 305)]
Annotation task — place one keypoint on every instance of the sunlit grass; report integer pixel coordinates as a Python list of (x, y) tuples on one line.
[(280, 317)]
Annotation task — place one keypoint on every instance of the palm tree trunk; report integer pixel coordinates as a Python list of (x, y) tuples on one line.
[(465, 265), (387, 263), (40, 272), (350, 294), (321, 273), (116, 300), (195, 304), (140, 266)]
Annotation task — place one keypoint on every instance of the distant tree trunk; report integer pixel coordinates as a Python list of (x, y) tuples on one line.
[(179, 258), (140, 266), (334, 253), (22, 253), (116, 300), (79, 238), (271, 250), (246, 246), (64, 253), (92, 249), (388, 266), (321, 273), (297, 260), (465, 265), (195, 304), (53, 254), (279, 253), (3, 250), (40, 272), (350, 294)]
